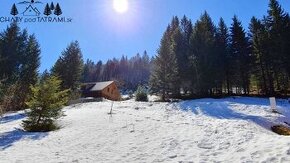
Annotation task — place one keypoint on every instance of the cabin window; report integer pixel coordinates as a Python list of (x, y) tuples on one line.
[(108, 89)]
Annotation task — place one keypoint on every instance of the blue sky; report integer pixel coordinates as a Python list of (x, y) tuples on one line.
[(104, 33)]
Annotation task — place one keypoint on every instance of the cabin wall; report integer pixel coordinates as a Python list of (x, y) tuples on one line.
[(95, 94), (111, 92)]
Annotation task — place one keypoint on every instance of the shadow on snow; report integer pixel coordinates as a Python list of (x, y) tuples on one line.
[(220, 109), (10, 118), (9, 138)]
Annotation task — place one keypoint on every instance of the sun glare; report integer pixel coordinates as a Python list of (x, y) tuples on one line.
[(120, 6)]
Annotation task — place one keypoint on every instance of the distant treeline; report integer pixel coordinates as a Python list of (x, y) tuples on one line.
[(203, 59), (129, 73)]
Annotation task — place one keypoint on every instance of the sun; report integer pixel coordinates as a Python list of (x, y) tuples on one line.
[(120, 6)]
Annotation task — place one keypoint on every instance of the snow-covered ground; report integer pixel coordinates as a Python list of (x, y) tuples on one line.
[(206, 130)]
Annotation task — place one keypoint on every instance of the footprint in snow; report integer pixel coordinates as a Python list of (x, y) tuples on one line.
[(205, 145), (172, 156)]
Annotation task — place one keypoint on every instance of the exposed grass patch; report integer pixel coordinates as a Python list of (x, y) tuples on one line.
[(281, 130), (46, 127)]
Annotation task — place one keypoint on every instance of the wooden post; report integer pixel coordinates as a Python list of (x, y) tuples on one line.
[(111, 112), (273, 104)]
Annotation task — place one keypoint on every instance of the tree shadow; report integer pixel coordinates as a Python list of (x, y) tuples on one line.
[(222, 110), (248, 100), (7, 139), (10, 118)]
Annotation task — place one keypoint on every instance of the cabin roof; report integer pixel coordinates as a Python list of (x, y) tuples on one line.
[(100, 85)]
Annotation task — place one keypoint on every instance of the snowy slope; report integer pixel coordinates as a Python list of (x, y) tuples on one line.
[(206, 130)]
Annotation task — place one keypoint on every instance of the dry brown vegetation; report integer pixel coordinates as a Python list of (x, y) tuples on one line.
[(281, 130)]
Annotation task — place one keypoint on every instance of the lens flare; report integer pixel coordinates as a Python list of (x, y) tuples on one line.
[(120, 6)]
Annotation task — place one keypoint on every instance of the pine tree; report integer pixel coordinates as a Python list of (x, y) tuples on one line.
[(44, 76), (98, 71), (184, 61), (12, 46), (29, 70), (90, 73), (163, 77), (223, 62), (57, 10), (14, 10), (45, 106), (145, 68), (277, 25), (47, 10), (18, 68), (203, 56), (240, 52), (177, 49), (69, 66), (52, 6), (262, 63)]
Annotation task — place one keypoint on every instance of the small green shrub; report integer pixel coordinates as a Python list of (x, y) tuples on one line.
[(45, 105), (141, 94)]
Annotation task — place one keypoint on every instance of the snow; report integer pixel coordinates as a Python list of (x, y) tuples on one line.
[(205, 130)]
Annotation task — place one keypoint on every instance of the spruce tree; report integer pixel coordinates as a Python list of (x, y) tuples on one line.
[(186, 29), (262, 60), (18, 66), (204, 56), (223, 64), (44, 76), (145, 68), (163, 77), (47, 10), (184, 63), (45, 105), (178, 51), (277, 24), (29, 70), (69, 66), (14, 10), (99, 67), (89, 72), (240, 52), (12, 48), (57, 10)]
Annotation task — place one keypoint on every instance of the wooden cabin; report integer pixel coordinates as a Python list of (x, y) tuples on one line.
[(108, 90)]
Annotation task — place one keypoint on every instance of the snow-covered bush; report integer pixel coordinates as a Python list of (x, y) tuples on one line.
[(141, 94), (45, 105)]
